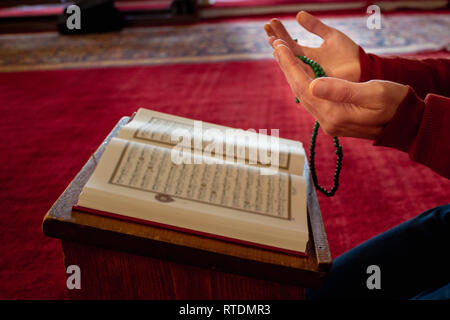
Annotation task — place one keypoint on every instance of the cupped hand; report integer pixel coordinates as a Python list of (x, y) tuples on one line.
[(338, 55), (343, 108)]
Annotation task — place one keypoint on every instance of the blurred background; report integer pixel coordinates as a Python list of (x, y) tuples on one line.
[(28, 15)]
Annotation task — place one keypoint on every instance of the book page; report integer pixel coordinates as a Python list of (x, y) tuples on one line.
[(149, 168), (229, 199), (253, 148)]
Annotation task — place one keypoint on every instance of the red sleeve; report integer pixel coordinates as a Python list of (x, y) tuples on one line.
[(422, 129), (425, 76)]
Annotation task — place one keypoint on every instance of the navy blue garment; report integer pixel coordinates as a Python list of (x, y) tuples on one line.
[(413, 259)]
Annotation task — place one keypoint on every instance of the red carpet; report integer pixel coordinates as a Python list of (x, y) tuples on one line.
[(53, 120)]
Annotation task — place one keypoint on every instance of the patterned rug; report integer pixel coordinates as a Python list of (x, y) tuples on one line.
[(210, 42)]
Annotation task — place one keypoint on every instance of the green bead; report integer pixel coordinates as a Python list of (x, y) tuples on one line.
[(319, 72)]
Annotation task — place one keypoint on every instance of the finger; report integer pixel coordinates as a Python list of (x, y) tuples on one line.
[(282, 33), (278, 42), (269, 30), (338, 90), (299, 80), (314, 25), (290, 64), (271, 40), (350, 102)]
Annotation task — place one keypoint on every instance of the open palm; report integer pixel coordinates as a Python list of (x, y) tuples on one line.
[(342, 107), (338, 55)]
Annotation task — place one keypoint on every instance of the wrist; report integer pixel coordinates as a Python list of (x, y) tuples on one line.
[(365, 63), (399, 132)]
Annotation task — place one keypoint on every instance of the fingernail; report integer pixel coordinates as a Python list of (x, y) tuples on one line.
[(320, 89), (275, 54)]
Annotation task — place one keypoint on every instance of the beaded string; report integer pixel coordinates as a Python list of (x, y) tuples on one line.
[(318, 71)]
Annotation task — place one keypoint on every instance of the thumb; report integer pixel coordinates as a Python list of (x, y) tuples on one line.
[(339, 90)]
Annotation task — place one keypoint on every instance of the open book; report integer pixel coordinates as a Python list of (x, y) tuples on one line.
[(203, 178)]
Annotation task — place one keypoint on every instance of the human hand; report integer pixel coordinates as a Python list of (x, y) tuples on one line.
[(343, 108), (338, 55)]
